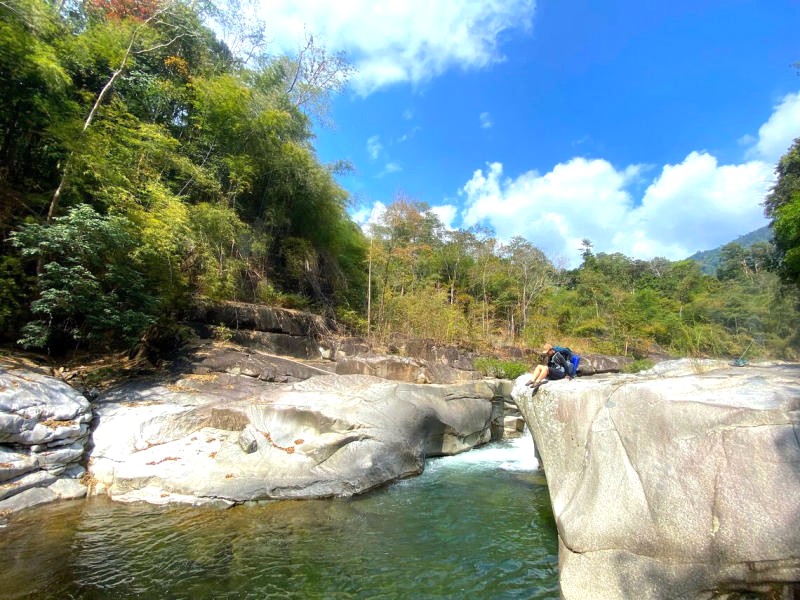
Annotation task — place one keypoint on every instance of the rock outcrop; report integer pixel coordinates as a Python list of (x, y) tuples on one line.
[(596, 364), (277, 330), (234, 360), (44, 426), (224, 431), (673, 483), (401, 368), (222, 438)]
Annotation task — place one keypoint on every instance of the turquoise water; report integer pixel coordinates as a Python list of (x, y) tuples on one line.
[(476, 525)]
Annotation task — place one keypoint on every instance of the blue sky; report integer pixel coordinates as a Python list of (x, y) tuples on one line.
[(651, 128)]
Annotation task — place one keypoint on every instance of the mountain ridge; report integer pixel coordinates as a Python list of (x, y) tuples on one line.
[(709, 259)]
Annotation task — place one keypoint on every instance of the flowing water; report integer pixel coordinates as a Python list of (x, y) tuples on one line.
[(476, 525)]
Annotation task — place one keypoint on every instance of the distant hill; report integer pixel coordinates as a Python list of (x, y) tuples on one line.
[(709, 259)]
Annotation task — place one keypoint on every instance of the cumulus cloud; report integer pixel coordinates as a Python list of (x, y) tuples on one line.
[(399, 42), (555, 210), (779, 132), (366, 216), (694, 205), (447, 214), (486, 120)]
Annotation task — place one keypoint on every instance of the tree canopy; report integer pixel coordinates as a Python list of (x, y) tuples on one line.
[(145, 165), (783, 207), (134, 117)]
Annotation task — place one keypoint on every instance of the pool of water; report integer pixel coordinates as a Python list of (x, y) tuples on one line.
[(476, 525)]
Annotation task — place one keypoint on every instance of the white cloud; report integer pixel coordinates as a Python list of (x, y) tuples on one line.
[(374, 147), (695, 205), (389, 168), (365, 216), (486, 120), (409, 134), (393, 42), (554, 211), (447, 214), (779, 132)]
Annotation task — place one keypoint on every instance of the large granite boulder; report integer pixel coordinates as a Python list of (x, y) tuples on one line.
[(674, 483), (276, 330), (44, 427), (595, 364), (402, 368), (259, 317), (439, 354), (222, 438), (237, 360)]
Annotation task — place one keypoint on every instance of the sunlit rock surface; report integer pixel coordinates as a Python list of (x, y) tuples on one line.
[(44, 426), (224, 438), (674, 482), (401, 368)]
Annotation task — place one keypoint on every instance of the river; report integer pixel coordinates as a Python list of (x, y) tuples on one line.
[(477, 525)]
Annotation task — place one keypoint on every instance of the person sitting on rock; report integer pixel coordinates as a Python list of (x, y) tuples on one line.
[(556, 368)]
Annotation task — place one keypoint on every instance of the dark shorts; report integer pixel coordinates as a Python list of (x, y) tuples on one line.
[(554, 373)]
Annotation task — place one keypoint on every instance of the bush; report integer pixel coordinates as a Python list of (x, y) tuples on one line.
[(639, 365), (502, 369), (90, 287)]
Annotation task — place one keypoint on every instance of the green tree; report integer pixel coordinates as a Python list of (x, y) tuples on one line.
[(532, 272), (733, 262), (91, 288), (137, 110), (782, 205)]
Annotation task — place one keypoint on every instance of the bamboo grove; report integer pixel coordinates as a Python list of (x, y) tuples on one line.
[(145, 165)]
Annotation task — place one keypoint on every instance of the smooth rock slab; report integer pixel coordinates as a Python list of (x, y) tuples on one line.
[(672, 483), (402, 368), (234, 439), (44, 428), (36, 409)]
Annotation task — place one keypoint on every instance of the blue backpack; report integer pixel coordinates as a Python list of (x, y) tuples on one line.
[(573, 359)]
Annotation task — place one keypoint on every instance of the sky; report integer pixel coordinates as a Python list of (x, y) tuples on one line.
[(649, 127)]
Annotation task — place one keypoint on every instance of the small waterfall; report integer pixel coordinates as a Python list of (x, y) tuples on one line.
[(514, 454)]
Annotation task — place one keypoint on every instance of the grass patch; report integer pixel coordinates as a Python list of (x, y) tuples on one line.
[(638, 365), (502, 369)]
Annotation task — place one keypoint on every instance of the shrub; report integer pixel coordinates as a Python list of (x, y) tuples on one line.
[(90, 287), (502, 369), (639, 365)]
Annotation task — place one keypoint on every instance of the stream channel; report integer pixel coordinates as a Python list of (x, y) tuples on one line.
[(477, 525)]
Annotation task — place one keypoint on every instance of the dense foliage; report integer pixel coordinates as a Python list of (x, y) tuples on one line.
[(144, 165), (465, 287), (783, 206)]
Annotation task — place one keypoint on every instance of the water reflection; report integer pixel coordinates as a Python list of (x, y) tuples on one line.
[(478, 525)]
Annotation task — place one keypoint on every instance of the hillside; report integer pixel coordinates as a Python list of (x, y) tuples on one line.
[(709, 259)]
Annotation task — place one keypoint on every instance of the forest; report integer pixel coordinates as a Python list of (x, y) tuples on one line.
[(146, 165)]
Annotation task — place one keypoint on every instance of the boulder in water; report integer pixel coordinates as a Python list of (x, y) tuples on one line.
[(672, 483), (226, 439)]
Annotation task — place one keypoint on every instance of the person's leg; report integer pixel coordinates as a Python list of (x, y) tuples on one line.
[(539, 373)]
